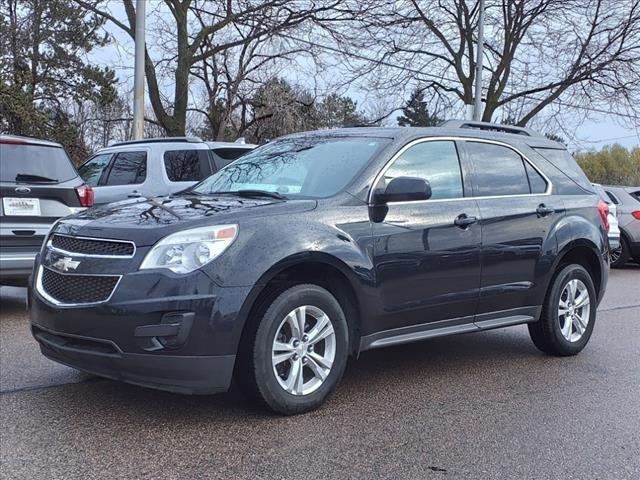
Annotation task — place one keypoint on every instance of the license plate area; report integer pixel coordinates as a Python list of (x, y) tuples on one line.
[(21, 207)]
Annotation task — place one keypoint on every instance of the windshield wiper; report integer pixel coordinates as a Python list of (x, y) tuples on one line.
[(29, 177), (251, 193)]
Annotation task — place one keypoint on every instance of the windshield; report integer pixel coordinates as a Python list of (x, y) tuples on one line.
[(34, 163), (304, 167)]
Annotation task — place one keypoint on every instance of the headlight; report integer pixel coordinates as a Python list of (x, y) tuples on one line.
[(186, 251)]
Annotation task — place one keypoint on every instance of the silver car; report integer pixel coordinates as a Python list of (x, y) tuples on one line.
[(627, 201), (155, 167)]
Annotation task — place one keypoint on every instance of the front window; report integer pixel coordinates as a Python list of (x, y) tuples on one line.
[(303, 167)]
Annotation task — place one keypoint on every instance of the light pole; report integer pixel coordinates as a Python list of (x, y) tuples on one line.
[(138, 79), (477, 104)]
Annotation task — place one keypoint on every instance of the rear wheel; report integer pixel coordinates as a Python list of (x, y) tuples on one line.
[(620, 255), (299, 351), (569, 313)]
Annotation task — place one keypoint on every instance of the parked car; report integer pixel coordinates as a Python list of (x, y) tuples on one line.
[(322, 245), (627, 201), (614, 229), (155, 167), (38, 185)]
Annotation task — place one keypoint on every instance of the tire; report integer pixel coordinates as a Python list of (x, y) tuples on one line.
[(266, 382), (549, 333), (621, 256)]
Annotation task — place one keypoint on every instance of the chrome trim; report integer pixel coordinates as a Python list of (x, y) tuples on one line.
[(9, 257), (50, 299), (458, 139), (78, 254)]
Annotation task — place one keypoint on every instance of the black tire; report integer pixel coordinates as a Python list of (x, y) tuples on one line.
[(256, 375), (623, 256), (546, 333)]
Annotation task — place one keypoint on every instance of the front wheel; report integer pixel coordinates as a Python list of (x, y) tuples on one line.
[(299, 351), (569, 313)]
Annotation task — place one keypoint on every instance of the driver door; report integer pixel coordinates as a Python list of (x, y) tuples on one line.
[(427, 266)]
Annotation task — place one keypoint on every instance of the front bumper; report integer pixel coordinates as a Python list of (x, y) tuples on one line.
[(174, 373), (128, 337)]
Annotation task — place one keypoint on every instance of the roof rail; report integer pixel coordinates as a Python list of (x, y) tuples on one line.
[(490, 127), (160, 140)]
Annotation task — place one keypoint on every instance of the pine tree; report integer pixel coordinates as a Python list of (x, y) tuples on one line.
[(416, 113)]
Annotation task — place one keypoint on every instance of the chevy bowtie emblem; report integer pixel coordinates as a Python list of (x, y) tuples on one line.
[(65, 264)]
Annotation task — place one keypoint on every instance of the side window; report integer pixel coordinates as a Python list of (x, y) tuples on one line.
[(231, 153), (185, 165), (92, 169), (436, 162), (537, 183), (613, 198), (498, 170), (129, 168)]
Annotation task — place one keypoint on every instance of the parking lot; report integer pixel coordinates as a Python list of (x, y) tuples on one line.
[(485, 405)]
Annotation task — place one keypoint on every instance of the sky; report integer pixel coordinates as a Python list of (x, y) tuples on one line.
[(590, 130)]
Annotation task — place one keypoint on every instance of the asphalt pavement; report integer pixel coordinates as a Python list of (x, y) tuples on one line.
[(478, 406)]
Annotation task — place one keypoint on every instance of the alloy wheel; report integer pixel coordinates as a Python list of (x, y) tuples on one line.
[(304, 350), (574, 308)]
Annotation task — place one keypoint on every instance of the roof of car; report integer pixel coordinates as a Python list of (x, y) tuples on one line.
[(450, 129), (27, 140)]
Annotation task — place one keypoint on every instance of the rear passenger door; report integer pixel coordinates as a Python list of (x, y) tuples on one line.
[(517, 215), (124, 178)]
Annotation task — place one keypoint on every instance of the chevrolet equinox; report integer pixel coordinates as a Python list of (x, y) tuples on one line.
[(321, 245)]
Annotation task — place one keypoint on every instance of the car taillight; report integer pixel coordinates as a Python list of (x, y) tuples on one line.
[(603, 210), (86, 195), (636, 214)]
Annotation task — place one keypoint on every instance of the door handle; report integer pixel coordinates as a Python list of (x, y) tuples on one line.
[(463, 220), (134, 194), (543, 210)]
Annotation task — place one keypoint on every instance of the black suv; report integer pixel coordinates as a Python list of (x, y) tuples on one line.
[(322, 245), (38, 185)]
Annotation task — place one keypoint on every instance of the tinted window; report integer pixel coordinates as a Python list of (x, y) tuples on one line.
[(231, 153), (498, 170), (92, 169), (635, 195), (613, 198), (185, 165), (35, 160), (305, 167), (536, 181), (129, 168), (564, 162), (436, 162)]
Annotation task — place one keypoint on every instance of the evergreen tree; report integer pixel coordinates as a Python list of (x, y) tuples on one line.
[(416, 113), (43, 67)]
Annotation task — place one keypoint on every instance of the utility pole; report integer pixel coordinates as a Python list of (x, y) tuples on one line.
[(138, 79), (477, 105)]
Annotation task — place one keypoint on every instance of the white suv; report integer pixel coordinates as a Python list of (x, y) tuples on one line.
[(155, 167)]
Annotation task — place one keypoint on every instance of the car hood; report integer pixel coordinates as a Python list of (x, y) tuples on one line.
[(147, 220)]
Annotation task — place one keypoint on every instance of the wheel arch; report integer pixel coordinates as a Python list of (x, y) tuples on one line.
[(318, 268), (586, 253)]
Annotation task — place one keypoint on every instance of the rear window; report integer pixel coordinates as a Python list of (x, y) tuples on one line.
[(565, 162), (635, 195), (34, 163)]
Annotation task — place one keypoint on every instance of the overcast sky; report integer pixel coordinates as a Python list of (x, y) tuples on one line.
[(592, 130)]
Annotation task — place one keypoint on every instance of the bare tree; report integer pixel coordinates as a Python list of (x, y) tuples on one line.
[(202, 31), (538, 52)]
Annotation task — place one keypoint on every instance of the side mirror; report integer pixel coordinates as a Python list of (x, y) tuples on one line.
[(403, 189)]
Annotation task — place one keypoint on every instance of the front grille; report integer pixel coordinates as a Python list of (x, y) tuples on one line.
[(78, 288), (88, 246)]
